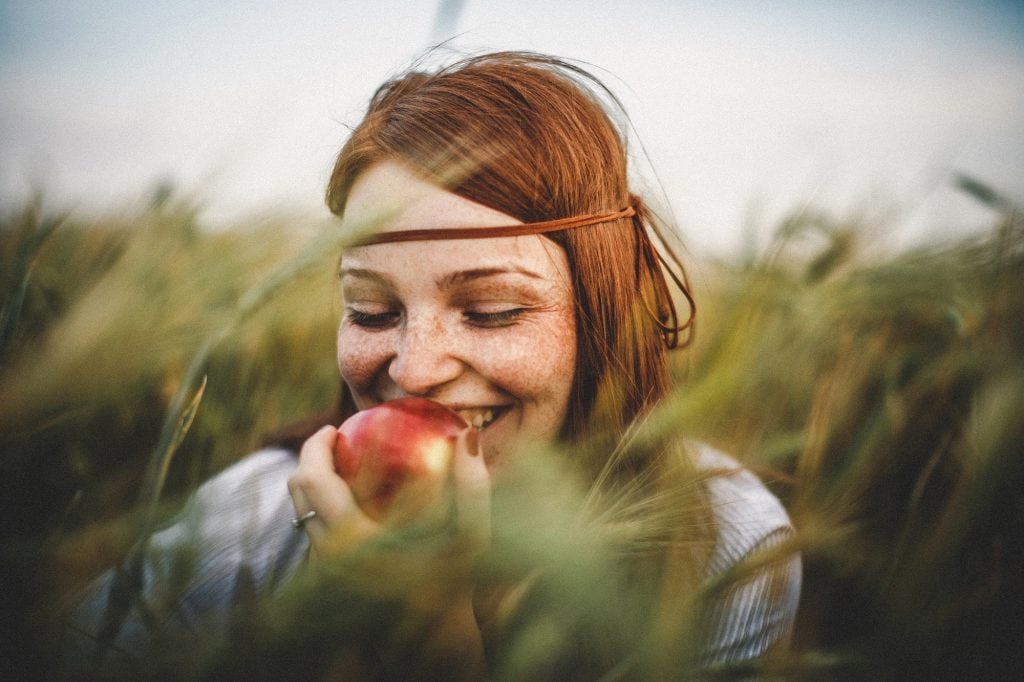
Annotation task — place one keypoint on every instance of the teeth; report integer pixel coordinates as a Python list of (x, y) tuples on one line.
[(477, 418)]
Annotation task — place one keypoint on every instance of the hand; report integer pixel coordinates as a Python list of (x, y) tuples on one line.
[(471, 486), (339, 524), (457, 636)]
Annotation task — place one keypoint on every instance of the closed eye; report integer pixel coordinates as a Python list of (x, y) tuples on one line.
[(371, 320), (501, 318)]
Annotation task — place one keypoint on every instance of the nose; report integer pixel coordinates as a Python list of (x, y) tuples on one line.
[(424, 358)]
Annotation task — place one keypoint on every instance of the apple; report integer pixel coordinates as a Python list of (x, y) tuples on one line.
[(397, 454)]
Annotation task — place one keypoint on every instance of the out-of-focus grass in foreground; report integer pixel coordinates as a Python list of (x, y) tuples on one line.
[(881, 393)]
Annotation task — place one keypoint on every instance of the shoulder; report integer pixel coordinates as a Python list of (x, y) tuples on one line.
[(235, 530), (757, 611), (240, 516), (748, 515), (250, 483)]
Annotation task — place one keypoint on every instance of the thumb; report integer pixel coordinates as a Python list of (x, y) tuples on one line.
[(472, 484)]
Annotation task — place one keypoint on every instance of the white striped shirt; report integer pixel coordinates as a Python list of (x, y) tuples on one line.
[(240, 521)]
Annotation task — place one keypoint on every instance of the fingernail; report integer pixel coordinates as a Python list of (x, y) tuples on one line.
[(473, 441)]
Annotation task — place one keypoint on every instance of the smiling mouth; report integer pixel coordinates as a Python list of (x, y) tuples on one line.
[(480, 418)]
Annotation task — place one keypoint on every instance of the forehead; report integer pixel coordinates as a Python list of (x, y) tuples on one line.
[(420, 263), (389, 197)]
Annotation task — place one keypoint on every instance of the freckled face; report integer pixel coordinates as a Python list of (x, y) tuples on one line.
[(485, 326)]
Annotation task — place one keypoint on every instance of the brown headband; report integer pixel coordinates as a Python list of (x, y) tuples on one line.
[(497, 231), (664, 313)]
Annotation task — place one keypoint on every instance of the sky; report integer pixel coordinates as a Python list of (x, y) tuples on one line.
[(745, 110)]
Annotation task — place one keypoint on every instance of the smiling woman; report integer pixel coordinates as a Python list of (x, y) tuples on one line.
[(484, 326), (499, 265)]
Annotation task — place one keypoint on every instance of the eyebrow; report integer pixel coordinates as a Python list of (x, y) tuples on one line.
[(445, 281), (463, 276), (363, 273)]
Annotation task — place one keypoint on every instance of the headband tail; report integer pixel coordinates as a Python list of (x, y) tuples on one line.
[(663, 313)]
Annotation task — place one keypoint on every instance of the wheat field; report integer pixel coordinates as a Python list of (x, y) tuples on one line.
[(879, 391)]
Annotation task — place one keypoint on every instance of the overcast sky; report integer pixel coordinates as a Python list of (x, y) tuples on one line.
[(746, 109)]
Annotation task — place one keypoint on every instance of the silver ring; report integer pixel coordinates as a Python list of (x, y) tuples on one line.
[(300, 521)]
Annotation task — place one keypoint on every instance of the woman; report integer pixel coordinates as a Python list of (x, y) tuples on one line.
[(500, 266)]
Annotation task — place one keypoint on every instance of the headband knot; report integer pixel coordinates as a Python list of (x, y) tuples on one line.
[(649, 259)]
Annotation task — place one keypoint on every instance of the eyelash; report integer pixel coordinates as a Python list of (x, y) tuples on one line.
[(371, 320), (502, 318)]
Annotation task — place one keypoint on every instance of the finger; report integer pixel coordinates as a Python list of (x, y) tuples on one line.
[(472, 487), (306, 473), (317, 453), (316, 486)]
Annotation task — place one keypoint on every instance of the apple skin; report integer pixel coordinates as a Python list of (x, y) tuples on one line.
[(400, 451)]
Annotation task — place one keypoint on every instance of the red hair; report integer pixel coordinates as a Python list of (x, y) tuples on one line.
[(530, 136)]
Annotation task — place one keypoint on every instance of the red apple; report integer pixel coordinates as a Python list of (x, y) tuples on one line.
[(398, 450)]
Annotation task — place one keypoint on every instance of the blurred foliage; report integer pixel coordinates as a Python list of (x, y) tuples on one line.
[(887, 391), (881, 395), (103, 319)]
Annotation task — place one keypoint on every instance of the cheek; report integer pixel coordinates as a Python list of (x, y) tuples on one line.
[(561, 361), (539, 366), (362, 356)]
